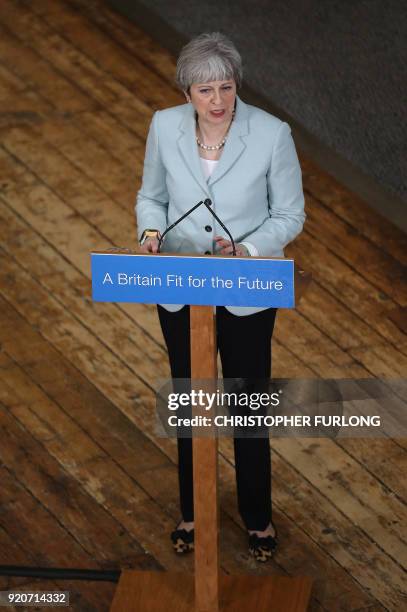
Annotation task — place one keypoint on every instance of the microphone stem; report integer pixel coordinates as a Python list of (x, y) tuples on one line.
[(208, 204), (191, 210), (223, 226)]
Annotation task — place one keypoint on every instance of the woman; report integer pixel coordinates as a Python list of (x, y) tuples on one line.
[(243, 159)]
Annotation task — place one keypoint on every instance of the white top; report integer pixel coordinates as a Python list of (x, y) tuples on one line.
[(208, 166)]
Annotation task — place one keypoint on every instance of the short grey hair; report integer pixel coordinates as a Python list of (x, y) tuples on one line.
[(208, 57)]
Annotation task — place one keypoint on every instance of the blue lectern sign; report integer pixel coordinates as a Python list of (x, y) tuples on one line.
[(174, 279)]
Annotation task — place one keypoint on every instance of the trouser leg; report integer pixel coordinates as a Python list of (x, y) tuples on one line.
[(245, 350), (176, 332)]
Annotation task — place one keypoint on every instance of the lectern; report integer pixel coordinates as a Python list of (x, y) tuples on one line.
[(202, 282)]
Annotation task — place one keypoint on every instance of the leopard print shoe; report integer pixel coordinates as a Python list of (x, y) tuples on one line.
[(262, 549), (182, 541)]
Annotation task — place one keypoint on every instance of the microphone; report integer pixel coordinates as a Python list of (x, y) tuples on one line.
[(191, 210), (208, 204)]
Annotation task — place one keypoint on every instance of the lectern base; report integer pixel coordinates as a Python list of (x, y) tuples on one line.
[(164, 591)]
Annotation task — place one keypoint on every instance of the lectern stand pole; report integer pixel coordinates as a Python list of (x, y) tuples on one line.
[(205, 464)]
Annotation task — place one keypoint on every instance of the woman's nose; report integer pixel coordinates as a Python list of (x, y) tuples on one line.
[(216, 99)]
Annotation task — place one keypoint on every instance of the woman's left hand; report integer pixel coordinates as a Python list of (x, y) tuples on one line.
[(224, 247)]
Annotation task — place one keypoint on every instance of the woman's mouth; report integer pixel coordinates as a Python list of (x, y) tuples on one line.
[(217, 113)]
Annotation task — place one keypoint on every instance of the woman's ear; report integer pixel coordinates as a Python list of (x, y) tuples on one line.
[(187, 96)]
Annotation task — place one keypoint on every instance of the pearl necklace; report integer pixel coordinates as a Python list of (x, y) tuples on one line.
[(210, 147), (217, 146)]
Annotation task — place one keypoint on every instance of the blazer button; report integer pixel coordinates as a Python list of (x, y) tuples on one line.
[(208, 228)]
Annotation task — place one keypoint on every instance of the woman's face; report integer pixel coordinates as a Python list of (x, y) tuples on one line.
[(214, 101)]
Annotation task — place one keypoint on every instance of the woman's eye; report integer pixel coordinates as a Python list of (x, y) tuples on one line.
[(224, 88)]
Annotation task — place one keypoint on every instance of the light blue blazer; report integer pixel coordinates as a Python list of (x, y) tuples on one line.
[(256, 187)]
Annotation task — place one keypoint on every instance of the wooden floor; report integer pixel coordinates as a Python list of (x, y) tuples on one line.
[(84, 481)]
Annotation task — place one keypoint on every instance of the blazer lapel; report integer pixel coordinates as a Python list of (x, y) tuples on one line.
[(188, 148)]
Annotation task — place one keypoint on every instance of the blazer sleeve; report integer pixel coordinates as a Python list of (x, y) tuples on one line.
[(152, 198), (285, 198)]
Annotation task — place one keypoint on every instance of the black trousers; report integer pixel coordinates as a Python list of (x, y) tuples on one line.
[(244, 344)]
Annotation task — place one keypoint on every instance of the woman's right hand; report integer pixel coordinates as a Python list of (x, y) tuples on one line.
[(150, 245)]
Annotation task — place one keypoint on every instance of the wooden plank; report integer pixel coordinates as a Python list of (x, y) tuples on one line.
[(51, 425), (374, 264), (25, 111), (371, 453), (39, 74), (95, 162), (110, 141), (322, 355), (337, 321), (345, 541), (353, 210), (73, 289), (361, 498), (10, 83), (50, 543), (84, 197), (18, 104), (94, 44), (126, 33), (93, 468), (399, 317), (12, 552), (347, 286), (97, 201), (381, 361), (373, 608), (91, 525), (75, 67)]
